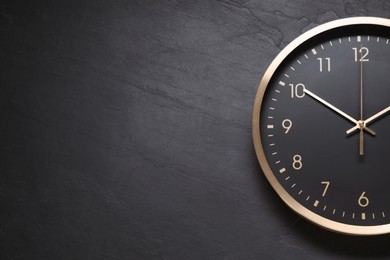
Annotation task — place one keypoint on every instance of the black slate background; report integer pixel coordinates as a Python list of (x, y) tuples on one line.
[(126, 130)]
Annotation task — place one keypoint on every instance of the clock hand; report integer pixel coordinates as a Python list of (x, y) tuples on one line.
[(361, 135), (361, 83), (361, 142), (368, 120), (337, 110)]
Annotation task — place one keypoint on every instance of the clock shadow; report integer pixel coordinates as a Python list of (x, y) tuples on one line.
[(313, 239), (340, 244), (297, 232)]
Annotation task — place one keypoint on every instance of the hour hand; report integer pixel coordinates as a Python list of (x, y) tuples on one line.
[(332, 107)]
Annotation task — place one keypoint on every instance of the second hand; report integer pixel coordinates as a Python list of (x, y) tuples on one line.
[(361, 134)]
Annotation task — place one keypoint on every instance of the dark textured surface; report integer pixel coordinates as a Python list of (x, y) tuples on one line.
[(126, 131)]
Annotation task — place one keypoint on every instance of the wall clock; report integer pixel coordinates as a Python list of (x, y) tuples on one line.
[(321, 125)]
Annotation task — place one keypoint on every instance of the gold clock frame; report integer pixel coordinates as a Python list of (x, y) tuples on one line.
[(284, 195)]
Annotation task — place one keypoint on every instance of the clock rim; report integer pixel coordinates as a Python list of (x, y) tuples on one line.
[(321, 221)]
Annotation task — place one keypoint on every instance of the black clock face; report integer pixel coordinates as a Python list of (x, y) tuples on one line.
[(322, 134)]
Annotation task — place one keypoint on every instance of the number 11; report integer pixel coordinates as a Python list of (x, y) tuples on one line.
[(327, 60)]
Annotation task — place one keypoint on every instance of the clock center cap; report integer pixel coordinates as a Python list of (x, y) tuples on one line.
[(361, 124)]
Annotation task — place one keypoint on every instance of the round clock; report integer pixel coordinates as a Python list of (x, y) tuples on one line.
[(321, 125)]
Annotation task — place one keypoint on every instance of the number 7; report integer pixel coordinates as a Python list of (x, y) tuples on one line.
[(326, 183)]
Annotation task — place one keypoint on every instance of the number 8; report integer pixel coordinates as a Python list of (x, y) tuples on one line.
[(297, 162)]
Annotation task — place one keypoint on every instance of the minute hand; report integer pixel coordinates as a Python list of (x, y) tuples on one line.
[(337, 110), (372, 118)]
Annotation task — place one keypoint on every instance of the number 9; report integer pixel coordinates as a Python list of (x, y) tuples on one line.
[(287, 124)]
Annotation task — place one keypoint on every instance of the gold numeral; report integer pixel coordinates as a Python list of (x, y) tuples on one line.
[(297, 90), (363, 200), (326, 183), (287, 124), (328, 62), (297, 162), (363, 51)]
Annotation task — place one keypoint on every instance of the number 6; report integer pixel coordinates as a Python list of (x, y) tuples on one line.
[(363, 200)]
